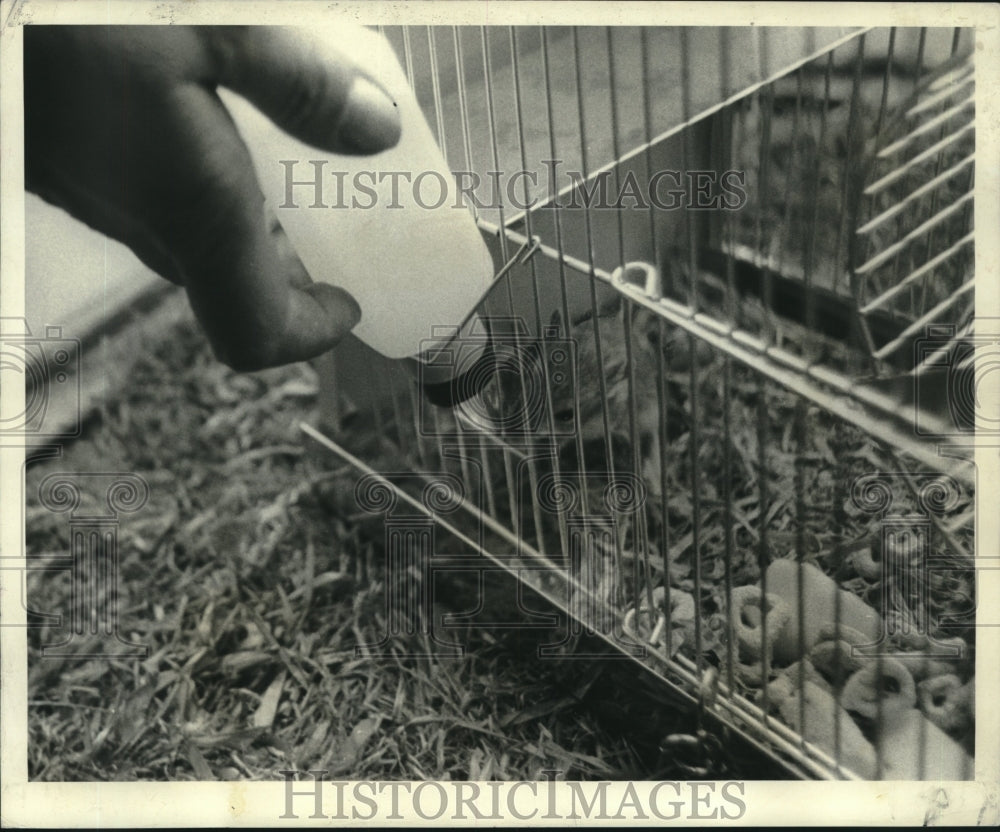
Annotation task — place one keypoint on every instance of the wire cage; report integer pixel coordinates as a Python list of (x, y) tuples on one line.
[(733, 307)]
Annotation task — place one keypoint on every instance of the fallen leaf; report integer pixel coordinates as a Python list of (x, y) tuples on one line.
[(264, 715), (202, 770), (347, 754)]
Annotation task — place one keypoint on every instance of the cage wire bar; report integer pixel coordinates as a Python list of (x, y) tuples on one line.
[(706, 424)]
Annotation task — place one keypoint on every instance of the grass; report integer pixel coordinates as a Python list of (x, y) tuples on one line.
[(251, 577)]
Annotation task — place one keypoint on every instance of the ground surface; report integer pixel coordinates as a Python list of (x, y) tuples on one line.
[(251, 576)]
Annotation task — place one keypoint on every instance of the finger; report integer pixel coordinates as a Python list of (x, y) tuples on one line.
[(107, 218), (316, 94), (250, 292)]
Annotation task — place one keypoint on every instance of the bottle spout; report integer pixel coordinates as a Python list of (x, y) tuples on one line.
[(455, 364)]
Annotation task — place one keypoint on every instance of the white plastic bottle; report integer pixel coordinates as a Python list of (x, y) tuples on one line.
[(392, 228)]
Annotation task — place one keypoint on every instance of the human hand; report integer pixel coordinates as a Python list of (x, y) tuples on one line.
[(125, 131)]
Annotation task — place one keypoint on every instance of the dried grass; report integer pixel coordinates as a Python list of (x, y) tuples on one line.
[(252, 578)]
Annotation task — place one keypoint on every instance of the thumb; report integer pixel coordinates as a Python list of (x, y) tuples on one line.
[(249, 291), (314, 93)]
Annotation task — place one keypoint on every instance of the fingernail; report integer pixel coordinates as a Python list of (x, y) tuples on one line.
[(345, 301), (355, 310), (342, 312), (370, 122)]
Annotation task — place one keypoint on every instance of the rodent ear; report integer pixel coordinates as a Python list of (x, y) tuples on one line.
[(555, 327), (609, 308), (652, 333), (614, 304)]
